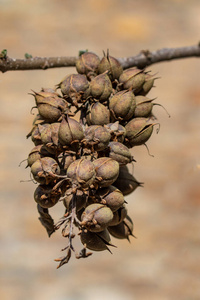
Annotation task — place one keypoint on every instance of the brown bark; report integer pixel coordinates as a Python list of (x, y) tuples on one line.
[(143, 59)]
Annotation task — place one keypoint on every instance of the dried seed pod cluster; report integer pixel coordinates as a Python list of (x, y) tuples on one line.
[(82, 137)]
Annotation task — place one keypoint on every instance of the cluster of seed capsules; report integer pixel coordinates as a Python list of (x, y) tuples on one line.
[(83, 134)]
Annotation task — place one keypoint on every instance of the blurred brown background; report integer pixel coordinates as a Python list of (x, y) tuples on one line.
[(163, 262)]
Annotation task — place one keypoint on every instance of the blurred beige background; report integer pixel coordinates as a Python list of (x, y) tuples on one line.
[(163, 262)]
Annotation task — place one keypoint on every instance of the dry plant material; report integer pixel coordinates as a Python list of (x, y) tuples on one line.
[(83, 163)]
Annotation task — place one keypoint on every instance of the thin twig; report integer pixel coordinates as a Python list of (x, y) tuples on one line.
[(143, 59), (69, 220), (147, 58), (36, 63)]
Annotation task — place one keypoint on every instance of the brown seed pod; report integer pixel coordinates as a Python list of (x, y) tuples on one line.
[(98, 114), (65, 159), (122, 105), (50, 106), (110, 64), (143, 107), (45, 93), (36, 153), (45, 170), (97, 137), (49, 137), (75, 88), (87, 64), (126, 182), (80, 199), (138, 131), (49, 111), (95, 241), (118, 216), (148, 84), (120, 153), (82, 172), (35, 134), (70, 131), (37, 120), (132, 78), (47, 134), (44, 133), (96, 217), (107, 171), (123, 230), (101, 87), (117, 131), (111, 197), (46, 196)]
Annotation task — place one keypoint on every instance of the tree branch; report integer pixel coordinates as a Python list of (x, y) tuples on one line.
[(143, 59), (35, 63), (147, 58)]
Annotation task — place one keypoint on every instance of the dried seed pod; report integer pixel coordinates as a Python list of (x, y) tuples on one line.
[(101, 87), (148, 84), (122, 105), (123, 230), (126, 182), (87, 64), (143, 107), (37, 120), (65, 159), (70, 131), (133, 79), (44, 93), (97, 137), (111, 197), (96, 217), (83, 163), (112, 65), (50, 106), (120, 153), (107, 171), (51, 110), (45, 169), (138, 131), (46, 196), (43, 133), (117, 131), (82, 172), (36, 153), (75, 88), (49, 137), (47, 134), (118, 216), (98, 114), (35, 134), (80, 199), (95, 241)]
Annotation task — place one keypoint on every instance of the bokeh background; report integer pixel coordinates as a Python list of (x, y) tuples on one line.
[(163, 262)]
